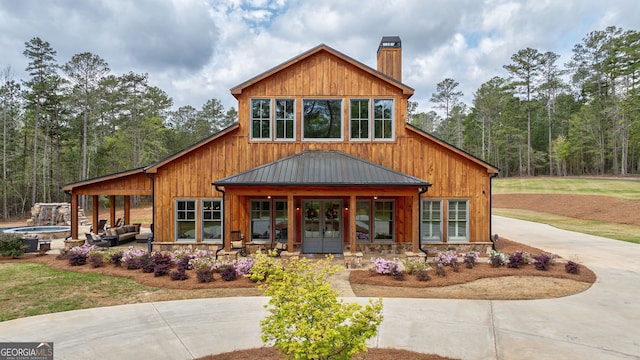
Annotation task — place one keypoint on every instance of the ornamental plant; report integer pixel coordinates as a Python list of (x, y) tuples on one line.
[(413, 265), (77, 256), (440, 270), (306, 319), (264, 265), (542, 262), (446, 258), (132, 258), (497, 259), (423, 275), (470, 259), (12, 245), (516, 260), (386, 267), (116, 258), (572, 267), (96, 260)]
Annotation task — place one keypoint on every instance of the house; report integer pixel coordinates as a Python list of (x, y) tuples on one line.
[(321, 159)]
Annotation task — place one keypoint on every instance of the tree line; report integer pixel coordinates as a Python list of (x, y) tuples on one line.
[(75, 121), (544, 118)]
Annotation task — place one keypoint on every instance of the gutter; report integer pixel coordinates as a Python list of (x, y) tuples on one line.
[(422, 191), (223, 216)]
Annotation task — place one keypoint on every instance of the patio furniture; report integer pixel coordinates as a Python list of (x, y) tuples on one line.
[(32, 245), (93, 239), (237, 243), (280, 244)]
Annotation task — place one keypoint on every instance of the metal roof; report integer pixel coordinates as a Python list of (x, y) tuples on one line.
[(321, 168)]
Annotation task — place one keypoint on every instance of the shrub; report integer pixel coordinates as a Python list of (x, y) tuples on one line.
[(96, 260), (440, 270), (151, 261), (183, 263), (133, 258), (386, 267), (201, 263), (497, 259), (204, 275), (413, 265), (263, 267), (146, 263), (228, 272), (423, 275), (306, 319), (12, 245), (116, 259), (446, 258), (470, 259), (243, 266), (516, 260), (179, 274), (542, 262), (77, 256), (454, 265), (572, 267), (161, 269)]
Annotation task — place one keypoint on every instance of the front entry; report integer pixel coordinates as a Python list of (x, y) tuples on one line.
[(322, 227)]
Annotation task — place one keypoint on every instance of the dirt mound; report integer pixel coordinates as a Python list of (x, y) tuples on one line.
[(586, 207)]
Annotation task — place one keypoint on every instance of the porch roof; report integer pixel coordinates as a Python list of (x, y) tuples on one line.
[(321, 168)]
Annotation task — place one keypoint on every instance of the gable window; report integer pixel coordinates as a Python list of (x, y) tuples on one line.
[(322, 119), (285, 119), (185, 220), (431, 220), (261, 119), (458, 229), (383, 119), (359, 118), (212, 221)]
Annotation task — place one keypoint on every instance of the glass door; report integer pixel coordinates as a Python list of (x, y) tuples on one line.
[(322, 227)]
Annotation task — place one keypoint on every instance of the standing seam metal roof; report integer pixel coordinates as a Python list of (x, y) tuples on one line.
[(329, 168)]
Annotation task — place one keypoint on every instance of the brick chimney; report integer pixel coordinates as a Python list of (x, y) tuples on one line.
[(390, 57)]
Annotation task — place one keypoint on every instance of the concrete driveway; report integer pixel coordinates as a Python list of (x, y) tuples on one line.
[(600, 323)]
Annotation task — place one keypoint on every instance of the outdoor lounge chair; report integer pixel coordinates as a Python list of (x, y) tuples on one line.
[(280, 244), (92, 239), (237, 243), (101, 225)]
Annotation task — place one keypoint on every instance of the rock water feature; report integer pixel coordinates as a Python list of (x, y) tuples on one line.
[(50, 214)]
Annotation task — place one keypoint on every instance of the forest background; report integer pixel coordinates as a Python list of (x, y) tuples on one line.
[(73, 121)]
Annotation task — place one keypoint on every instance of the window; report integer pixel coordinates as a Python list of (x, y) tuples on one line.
[(261, 119), (260, 220), (383, 119), (322, 119), (359, 119), (457, 219), (383, 214), (363, 220), (285, 119), (185, 220), (281, 217), (431, 220), (212, 221)]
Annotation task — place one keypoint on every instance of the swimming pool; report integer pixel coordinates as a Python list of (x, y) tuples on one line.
[(41, 232)]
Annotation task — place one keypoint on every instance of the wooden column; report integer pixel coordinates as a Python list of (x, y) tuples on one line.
[(415, 223), (226, 204), (127, 209), (74, 216), (291, 221), (95, 214), (112, 210), (352, 224)]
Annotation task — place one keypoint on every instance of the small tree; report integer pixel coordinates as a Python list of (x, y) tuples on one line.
[(12, 245), (307, 321)]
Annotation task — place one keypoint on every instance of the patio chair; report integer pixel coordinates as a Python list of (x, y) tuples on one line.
[(280, 244), (92, 239), (101, 225), (237, 243)]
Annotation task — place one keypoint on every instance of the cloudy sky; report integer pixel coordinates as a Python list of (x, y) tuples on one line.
[(196, 50)]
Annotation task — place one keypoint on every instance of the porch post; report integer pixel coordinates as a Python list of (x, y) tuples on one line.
[(127, 209), (415, 223), (352, 224), (112, 210), (291, 221), (74, 216), (226, 218), (95, 215)]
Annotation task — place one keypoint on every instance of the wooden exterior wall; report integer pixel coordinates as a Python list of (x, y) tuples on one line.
[(453, 175)]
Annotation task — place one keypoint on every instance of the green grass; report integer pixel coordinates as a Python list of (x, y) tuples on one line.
[(592, 227), (28, 289), (623, 189)]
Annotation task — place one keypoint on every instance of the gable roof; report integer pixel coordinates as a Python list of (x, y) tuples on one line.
[(321, 167), (407, 90)]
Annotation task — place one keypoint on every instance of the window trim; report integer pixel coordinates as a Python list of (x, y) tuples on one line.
[(302, 122), (374, 119), (275, 120), (368, 138), (374, 239), (270, 119), (202, 221), (458, 239), (423, 222), (195, 220)]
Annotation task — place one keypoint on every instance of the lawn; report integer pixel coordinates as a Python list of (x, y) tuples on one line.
[(623, 189)]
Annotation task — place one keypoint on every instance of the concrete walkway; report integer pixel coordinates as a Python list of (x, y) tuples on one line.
[(600, 323)]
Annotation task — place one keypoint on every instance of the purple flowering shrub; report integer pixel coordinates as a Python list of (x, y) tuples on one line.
[(386, 267), (78, 255), (572, 267), (516, 260), (542, 262), (447, 258), (470, 259), (497, 259)]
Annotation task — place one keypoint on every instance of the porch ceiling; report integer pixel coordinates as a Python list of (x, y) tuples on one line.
[(321, 168)]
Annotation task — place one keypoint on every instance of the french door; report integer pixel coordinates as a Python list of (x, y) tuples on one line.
[(322, 227)]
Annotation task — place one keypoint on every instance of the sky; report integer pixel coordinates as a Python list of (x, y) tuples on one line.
[(197, 50)]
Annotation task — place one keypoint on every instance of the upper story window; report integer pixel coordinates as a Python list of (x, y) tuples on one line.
[(261, 119), (359, 118), (285, 116), (322, 119), (383, 119)]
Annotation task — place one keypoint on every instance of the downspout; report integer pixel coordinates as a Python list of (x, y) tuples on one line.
[(492, 238), (223, 216), (153, 210), (422, 191)]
